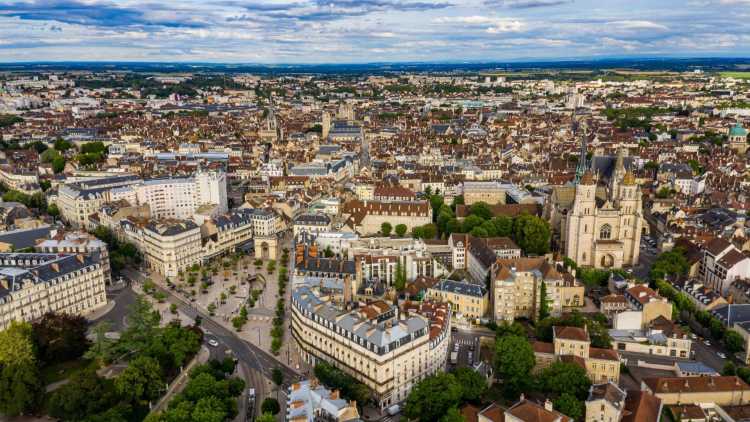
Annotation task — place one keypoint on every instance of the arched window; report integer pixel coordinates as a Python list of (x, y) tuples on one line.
[(605, 232)]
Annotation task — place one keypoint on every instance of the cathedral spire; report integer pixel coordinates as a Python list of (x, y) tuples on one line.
[(582, 160)]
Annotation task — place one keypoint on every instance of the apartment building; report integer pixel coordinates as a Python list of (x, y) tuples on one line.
[(366, 217), (646, 305), (377, 259), (77, 201), (467, 300), (607, 402), (226, 233), (388, 348), (169, 246), (516, 289), (309, 401), (77, 242), (311, 224), (32, 284), (167, 198), (572, 344), (661, 338), (722, 263)]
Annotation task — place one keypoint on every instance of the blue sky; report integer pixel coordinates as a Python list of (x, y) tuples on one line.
[(353, 31)]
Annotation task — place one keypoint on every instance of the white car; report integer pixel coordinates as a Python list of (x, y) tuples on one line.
[(213, 343), (707, 343), (721, 355)]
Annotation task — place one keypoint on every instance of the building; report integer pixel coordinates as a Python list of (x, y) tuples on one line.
[(32, 284), (77, 242), (309, 401), (671, 342), (387, 348), (167, 198), (722, 263), (366, 217), (468, 300), (170, 246), (572, 344), (311, 224), (529, 411), (648, 303), (598, 226), (226, 233), (721, 390), (606, 403), (517, 287), (738, 138), (488, 192)]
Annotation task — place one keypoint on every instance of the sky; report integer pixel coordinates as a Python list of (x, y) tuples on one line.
[(366, 31)]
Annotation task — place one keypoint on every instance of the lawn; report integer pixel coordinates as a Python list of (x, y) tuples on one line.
[(736, 75), (62, 370)]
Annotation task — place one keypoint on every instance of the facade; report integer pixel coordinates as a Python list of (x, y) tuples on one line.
[(225, 233), (387, 348), (169, 246), (517, 284), (606, 403), (366, 217), (78, 242), (311, 223), (649, 303), (469, 300), (32, 284), (488, 192), (599, 228), (572, 344), (721, 390), (722, 264), (167, 198)]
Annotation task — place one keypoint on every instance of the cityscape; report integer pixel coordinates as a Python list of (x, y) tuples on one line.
[(375, 210)]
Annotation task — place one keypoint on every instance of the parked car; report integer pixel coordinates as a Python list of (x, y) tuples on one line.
[(721, 355), (213, 343)]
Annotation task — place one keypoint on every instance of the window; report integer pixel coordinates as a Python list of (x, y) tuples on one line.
[(605, 232)]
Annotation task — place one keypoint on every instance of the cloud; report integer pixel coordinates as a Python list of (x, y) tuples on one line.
[(492, 25), (526, 4), (637, 25), (91, 13)]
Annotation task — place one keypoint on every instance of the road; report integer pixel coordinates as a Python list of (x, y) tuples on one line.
[(255, 364)]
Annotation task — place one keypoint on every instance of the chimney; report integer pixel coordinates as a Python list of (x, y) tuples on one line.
[(80, 258), (548, 405)]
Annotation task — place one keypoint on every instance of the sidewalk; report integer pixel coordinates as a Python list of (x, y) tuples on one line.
[(179, 383)]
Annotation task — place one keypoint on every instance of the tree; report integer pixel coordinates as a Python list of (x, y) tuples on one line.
[(16, 344), (60, 337), (386, 228), (266, 417), (481, 210), (453, 415), (62, 145), (543, 301), (270, 405), (143, 321), (209, 409), (58, 164), (671, 263), (399, 282), (514, 360), (503, 225), (277, 376), (473, 384), (428, 231), (532, 234), (431, 398), (84, 395), (510, 329), (401, 230), (729, 369), (569, 405), (20, 388), (53, 211), (141, 381), (564, 377), (734, 341)]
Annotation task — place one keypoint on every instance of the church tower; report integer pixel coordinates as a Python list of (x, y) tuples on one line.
[(630, 218), (581, 221)]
